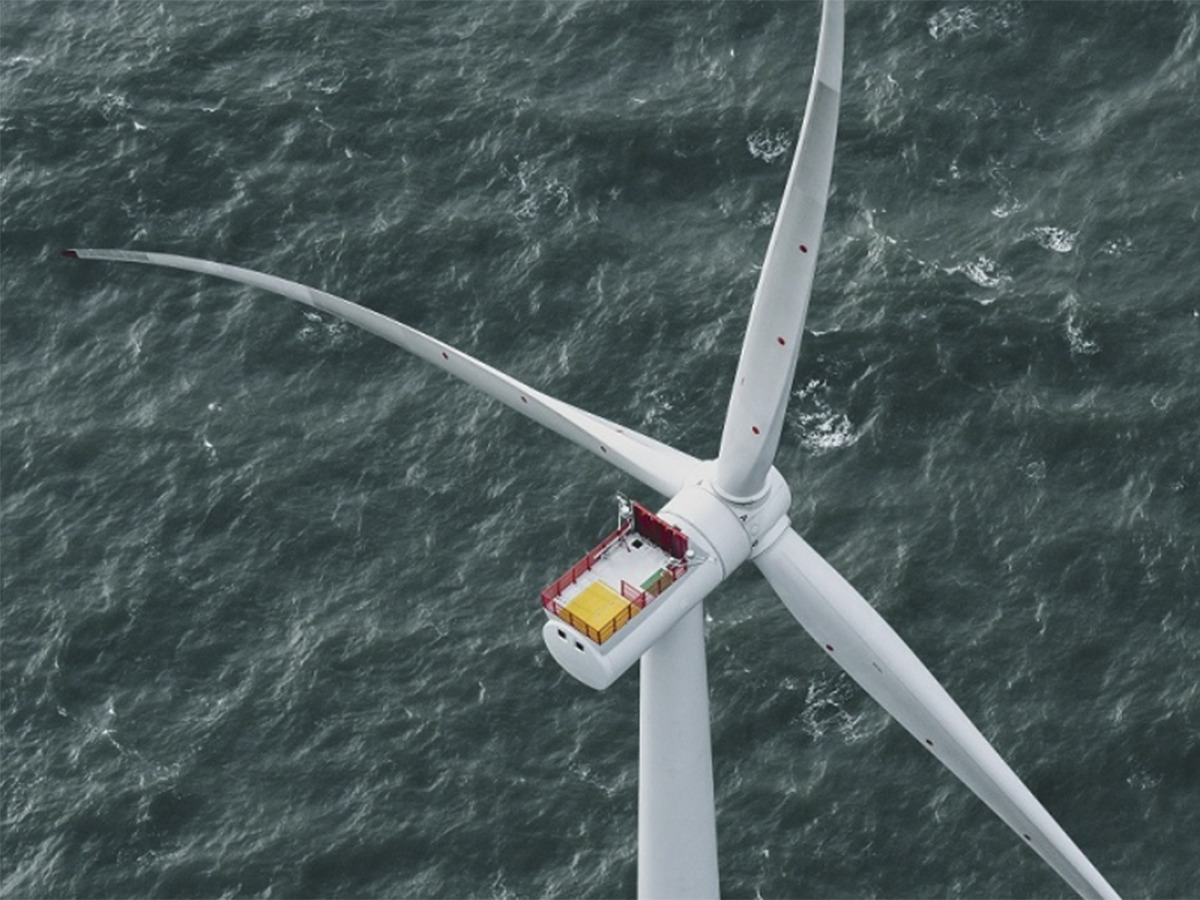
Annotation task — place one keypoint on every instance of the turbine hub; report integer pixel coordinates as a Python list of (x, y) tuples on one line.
[(737, 528)]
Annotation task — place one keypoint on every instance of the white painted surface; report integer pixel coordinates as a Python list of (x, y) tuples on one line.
[(857, 638), (677, 834), (655, 464), (754, 420)]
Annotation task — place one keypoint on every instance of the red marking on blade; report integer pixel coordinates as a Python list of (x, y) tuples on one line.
[(782, 342), (1027, 837), (829, 647), (804, 248), (444, 356), (523, 399), (754, 428), (70, 254), (929, 742)]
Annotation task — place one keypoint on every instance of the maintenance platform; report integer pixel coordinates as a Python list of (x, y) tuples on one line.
[(621, 575), (598, 604)]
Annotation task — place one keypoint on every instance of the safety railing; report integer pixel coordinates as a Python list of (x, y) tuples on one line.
[(599, 635), (639, 597), (572, 575), (662, 534)]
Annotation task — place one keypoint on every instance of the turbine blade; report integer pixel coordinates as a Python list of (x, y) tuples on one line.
[(677, 832), (862, 643), (754, 420), (657, 465)]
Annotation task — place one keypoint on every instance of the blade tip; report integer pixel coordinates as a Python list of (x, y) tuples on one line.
[(70, 254)]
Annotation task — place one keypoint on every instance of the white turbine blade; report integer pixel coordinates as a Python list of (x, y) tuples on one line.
[(754, 419), (655, 464), (862, 643), (677, 832)]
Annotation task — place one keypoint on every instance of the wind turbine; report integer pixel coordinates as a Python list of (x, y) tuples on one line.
[(722, 512)]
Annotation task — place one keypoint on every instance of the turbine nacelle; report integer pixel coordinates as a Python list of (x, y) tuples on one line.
[(613, 605)]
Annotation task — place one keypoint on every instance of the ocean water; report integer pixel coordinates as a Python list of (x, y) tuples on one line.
[(270, 587)]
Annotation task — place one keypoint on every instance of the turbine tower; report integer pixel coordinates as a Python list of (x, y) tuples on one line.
[(638, 596)]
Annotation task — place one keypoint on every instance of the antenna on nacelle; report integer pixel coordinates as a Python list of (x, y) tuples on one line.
[(624, 509)]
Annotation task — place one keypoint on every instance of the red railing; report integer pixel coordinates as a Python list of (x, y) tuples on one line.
[(599, 635), (663, 535), (639, 597), (568, 578), (636, 596)]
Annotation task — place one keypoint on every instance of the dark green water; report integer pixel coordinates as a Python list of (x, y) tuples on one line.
[(270, 618)]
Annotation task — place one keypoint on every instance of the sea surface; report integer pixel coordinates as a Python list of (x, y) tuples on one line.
[(270, 586)]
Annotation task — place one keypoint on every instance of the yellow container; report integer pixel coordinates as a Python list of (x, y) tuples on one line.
[(598, 611)]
